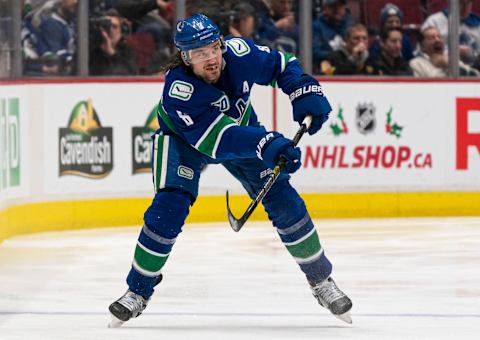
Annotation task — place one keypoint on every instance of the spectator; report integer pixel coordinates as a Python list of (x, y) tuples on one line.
[(329, 29), (153, 16), (390, 61), (56, 39), (351, 57), (469, 30), (277, 27), (243, 20), (432, 61), (109, 54), (392, 17)]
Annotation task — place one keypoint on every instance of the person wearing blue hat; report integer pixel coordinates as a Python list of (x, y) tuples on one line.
[(391, 16)]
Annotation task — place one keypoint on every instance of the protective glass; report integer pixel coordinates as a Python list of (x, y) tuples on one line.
[(205, 53)]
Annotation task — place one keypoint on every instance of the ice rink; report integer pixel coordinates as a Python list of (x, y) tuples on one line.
[(408, 279)]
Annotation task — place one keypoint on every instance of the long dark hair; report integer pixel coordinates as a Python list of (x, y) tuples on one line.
[(174, 61)]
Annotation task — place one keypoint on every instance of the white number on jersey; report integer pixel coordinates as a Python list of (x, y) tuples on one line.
[(263, 48), (185, 117)]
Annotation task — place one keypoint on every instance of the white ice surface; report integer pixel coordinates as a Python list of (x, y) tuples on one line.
[(408, 279)]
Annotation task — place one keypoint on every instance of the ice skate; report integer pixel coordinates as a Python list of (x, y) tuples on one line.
[(332, 298), (130, 305)]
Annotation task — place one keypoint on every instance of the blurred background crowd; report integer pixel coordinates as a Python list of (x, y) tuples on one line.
[(349, 37)]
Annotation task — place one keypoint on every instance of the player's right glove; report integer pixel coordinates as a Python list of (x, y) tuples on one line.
[(273, 146)]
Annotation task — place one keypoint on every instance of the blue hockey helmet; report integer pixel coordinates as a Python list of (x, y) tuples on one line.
[(195, 32)]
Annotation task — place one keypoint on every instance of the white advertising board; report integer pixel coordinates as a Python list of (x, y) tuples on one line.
[(14, 139), (381, 136), (97, 141), (393, 136)]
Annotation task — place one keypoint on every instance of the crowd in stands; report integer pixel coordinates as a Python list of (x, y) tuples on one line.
[(350, 37)]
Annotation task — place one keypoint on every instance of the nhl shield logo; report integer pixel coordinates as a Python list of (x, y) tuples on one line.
[(365, 118)]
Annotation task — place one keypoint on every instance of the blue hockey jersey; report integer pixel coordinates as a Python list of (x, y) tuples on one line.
[(218, 119)]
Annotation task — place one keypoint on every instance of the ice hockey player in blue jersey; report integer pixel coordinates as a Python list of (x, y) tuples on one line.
[(206, 117)]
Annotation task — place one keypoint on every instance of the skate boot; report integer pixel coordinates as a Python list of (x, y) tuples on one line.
[(332, 298), (130, 305)]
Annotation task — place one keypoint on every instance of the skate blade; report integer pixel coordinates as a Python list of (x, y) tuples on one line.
[(346, 317), (115, 322)]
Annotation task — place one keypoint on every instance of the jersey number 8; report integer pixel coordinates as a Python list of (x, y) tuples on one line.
[(185, 117)]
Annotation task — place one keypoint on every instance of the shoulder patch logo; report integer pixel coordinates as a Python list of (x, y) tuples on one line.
[(181, 90), (238, 46)]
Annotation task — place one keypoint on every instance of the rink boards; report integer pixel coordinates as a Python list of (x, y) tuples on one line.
[(76, 154)]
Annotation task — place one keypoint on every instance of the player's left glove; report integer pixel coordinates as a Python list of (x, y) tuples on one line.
[(310, 101), (275, 146)]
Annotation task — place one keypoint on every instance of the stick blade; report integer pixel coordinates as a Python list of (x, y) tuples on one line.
[(235, 223)]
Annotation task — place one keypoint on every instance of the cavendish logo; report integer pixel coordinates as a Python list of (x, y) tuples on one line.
[(142, 144), (365, 118), (181, 90), (86, 148)]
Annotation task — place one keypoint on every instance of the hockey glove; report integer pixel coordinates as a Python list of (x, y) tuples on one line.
[(274, 146), (312, 103)]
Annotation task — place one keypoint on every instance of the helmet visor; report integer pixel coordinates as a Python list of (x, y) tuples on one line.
[(201, 54)]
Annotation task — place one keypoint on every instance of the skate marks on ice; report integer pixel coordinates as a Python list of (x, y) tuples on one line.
[(408, 279)]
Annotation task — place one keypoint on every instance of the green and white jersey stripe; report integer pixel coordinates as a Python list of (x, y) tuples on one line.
[(245, 118), (160, 162), (285, 59), (209, 141)]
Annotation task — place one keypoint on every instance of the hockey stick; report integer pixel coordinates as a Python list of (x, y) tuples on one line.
[(237, 223)]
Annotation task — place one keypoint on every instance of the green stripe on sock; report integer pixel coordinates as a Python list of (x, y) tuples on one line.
[(307, 248), (147, 261)]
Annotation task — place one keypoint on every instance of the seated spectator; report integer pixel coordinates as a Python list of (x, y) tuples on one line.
[(109, 54), (56, 39), (432, 61), (390, 61), (329, 30), (351, 57), (153, 16), (469, 31), (392, 17), (277, 27), (243, 21)]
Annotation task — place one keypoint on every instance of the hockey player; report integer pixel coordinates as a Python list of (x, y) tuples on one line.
[(206, 117)]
